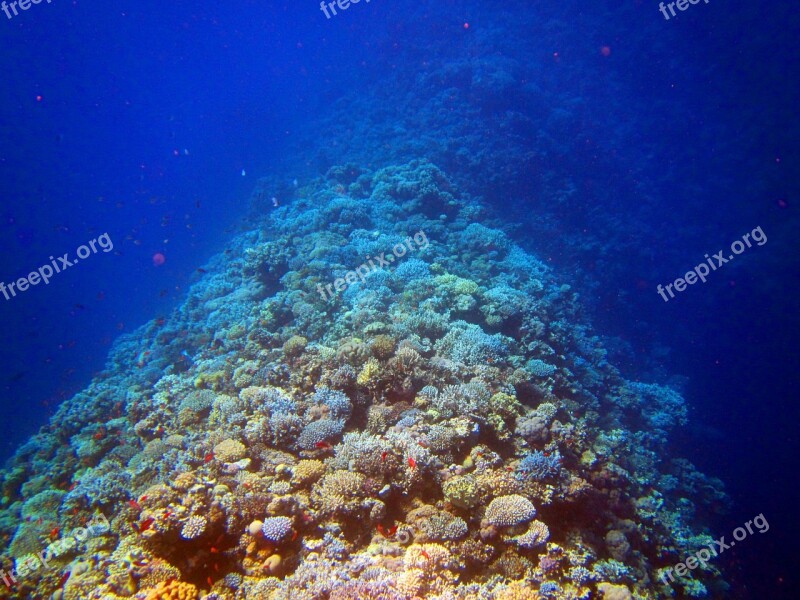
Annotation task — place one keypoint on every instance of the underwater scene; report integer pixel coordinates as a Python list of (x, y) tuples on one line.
[(399, 300)]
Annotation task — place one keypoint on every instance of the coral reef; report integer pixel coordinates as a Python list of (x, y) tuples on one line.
[(446, 428)]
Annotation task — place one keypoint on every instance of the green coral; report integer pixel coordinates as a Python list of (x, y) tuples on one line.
[(461, 491)]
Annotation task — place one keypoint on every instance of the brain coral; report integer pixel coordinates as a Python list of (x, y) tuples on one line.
[(507, 511), (275, 529)]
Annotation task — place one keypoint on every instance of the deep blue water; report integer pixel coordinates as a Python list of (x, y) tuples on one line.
[(621, 147)]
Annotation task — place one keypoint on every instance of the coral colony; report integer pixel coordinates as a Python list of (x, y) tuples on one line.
[(449, 428)]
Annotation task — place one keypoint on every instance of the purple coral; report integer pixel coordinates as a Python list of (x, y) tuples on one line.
[(275, 529), (315, 432), (539, 465)]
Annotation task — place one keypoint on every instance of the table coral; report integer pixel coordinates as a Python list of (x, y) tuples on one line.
[(507, 511)]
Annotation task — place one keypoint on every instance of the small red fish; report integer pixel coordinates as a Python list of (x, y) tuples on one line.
[(412, 463), (64, 578), (54, 532), (392, 530), (384, 455), (209, 457), (134, 505), (425, 554), (145, 525), (143, 498), (323, 445)]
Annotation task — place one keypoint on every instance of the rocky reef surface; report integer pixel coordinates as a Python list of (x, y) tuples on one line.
[(371, 393)]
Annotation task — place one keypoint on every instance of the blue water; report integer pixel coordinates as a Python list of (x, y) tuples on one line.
[(618, 146)]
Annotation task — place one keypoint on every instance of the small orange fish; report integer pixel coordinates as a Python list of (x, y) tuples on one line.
[(54, 532), (209, 457), (425, 554), (412, 463)]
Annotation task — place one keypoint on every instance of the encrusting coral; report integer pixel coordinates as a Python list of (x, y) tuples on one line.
[(445, 427)]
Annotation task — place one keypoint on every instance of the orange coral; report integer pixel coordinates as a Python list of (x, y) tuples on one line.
[(173, 590)]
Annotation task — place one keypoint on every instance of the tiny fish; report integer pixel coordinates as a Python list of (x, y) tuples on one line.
[(64, 579), (145, 525), (412, 463), (323, 445), (209, 457)]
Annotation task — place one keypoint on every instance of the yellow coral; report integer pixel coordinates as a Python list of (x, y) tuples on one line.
[(518, 590), (229, 450), (382, 346), (461, 491), (369, 372), (295, 346), (307, 471), (614, 592), (340, 492), (174, 590)]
